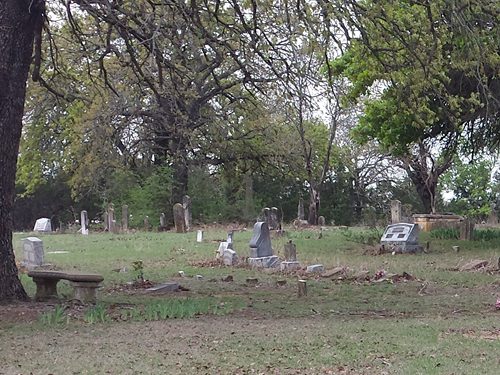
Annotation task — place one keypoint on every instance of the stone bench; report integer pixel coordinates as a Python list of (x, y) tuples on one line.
[(84, 285)]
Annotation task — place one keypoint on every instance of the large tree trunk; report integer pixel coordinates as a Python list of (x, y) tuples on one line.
[(18, 19)]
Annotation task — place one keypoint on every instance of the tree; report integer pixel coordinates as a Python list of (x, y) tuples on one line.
[(20, 21), (428, 74)]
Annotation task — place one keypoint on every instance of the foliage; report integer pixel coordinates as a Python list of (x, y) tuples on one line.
[(445, 233), (55, 317), (96, 314), (366, 237), (472, 188)]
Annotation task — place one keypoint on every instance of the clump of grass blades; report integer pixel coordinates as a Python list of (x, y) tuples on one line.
[(55, 317), (96, 314), (177, 309), (366, 237), (444, 234)]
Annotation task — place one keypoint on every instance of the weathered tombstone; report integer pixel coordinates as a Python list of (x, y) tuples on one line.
[(467, 230), (290, 251), (290, 262), (274, 218), (229, 257), (230, 239), (265, 215), (261, 252), (402, 237), (186, 205), (111, 219), (43, 225), (163, 220), (179, 219), (223, 246), (85, 222), (199, 236), (147, 225), (106, 221), (33, 252), (315, 268), (125, 218), (300, 210), (321, 221), (395, 211)]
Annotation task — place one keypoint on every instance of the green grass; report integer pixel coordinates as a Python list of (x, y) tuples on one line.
[(431, 325)]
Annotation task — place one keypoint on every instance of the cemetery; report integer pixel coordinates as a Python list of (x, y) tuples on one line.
[(249, 187)]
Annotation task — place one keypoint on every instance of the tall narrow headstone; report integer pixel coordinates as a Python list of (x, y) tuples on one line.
[(290, 251), (105, 218), (125, 217), (147, 225), (274, 218), (85, 222), (111, 219), (300, 210), (163, 220), (179, 219), (199, 236), (230, 238), (186, 205), (395, 212)]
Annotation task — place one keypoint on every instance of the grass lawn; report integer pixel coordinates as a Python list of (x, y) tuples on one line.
[(439, 321)]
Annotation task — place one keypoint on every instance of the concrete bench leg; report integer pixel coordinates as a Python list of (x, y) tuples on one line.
[(45, 288), (85, 292)]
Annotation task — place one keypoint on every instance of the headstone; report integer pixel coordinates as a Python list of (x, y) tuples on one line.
[(315, 268), (147, 225), (106, 221), (43, 225), (85, 222), (402, 237), (395, 211), (179, 219), (300, 210), (166, 287), (230, 238), (260, 244), (261, 252), (186, 204), (33, 252), (273, 218), (321, 221), (125, 217), (199, 236), (163, 220), (111, 219), (265, 215), (223, 246), (467, 230), (230, 258), (290, 251)]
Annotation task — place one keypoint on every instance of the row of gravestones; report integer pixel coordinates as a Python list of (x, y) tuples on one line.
[(261, 252)]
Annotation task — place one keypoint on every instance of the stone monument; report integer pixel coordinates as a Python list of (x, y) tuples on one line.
[(300, 210), (179, 218), (395, 211), (84, 219), (290, 262), (33, 252), (401, 238), (43, 225), (261, 252), (186, 205)]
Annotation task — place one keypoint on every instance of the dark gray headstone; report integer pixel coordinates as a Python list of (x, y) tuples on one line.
[(402, 237), (290, 251), (274, 218), (260, 244), (321, 221)]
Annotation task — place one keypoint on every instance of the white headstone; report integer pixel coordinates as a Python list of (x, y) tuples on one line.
[(84, 220), (33, 252), (43, 225), (199, 236)]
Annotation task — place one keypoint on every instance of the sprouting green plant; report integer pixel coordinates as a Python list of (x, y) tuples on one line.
[(54, 317), (138, 266), (367, 237), (96, 314)]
